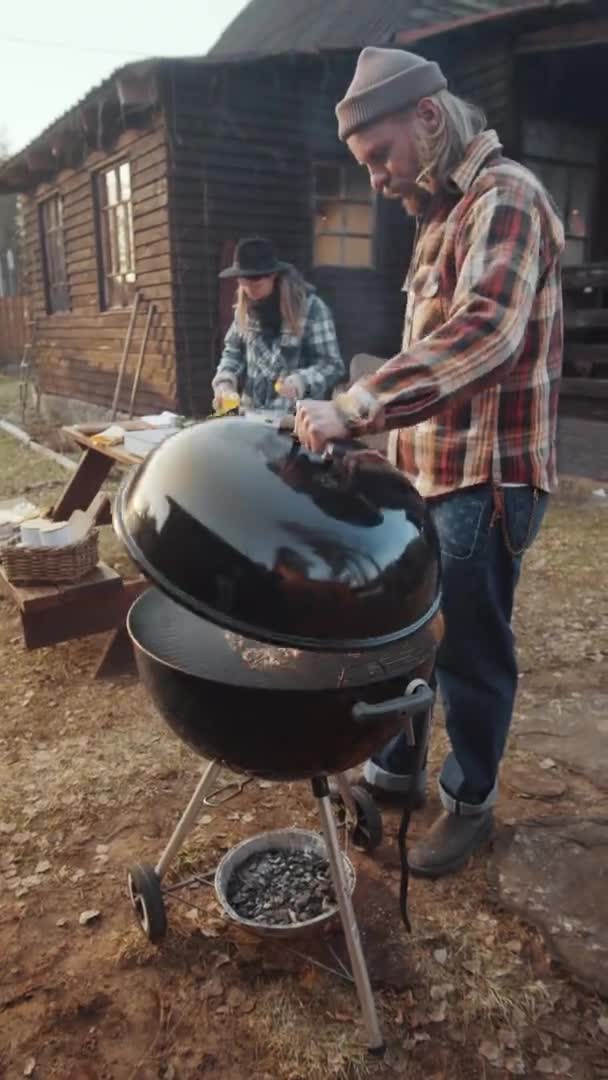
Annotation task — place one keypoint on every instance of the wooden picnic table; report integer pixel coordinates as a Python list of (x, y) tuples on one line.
[(99, 602)]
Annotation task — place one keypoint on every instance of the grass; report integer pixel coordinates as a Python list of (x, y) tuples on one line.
[(293, 1034)]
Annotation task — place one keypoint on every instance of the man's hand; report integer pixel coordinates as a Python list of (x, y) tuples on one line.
[(317, 423), (291, 387)]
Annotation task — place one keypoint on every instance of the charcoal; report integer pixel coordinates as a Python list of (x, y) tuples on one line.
[(282, 888)]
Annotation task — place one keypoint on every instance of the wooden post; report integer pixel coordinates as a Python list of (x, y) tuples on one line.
[(140, 359), (125, 354)]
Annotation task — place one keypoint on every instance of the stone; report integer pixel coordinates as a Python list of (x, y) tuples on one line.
[(553, 873), (573, 731), (527, 782), (87, 917)]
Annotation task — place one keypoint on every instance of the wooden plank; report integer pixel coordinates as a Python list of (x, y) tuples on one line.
[(115, 453), (80, 615), (36, 598), (568, 35), (84, 484), (586, 318), (33, 599), (585, 388), (118, 657)]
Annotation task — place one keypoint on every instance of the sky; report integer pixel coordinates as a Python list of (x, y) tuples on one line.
[(51, 54)]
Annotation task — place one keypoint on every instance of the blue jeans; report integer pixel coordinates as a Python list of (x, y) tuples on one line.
[(476, 665)]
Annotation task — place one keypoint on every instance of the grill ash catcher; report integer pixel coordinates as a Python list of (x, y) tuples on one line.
[(290, 632)]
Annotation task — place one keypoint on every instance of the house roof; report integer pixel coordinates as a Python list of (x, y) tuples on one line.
[(278, 26), (264, 30)]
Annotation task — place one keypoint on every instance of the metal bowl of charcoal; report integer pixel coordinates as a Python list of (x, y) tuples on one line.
[(290, 632), (278, 883)]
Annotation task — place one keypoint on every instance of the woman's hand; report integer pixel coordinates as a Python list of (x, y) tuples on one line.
[(221, 391), (317, 423)]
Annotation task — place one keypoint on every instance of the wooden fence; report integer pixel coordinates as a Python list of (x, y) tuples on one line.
[(13, 328)]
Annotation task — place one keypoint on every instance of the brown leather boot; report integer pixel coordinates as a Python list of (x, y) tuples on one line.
[(449, 843)]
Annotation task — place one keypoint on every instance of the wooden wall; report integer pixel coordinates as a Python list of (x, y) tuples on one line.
[(77, 354), (13, 328)]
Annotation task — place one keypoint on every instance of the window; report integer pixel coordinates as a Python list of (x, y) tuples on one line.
[(564, 159), (343, 216), (115, 211), (53, 255)]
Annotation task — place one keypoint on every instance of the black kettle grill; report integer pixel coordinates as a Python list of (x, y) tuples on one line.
[(294, 622)]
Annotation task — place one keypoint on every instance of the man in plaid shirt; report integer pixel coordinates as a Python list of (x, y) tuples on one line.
[(471, 404)]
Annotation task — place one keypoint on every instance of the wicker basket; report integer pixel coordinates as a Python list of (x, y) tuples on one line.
[(51, 566)]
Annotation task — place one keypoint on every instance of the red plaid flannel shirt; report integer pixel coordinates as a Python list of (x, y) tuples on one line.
[(474, 391)]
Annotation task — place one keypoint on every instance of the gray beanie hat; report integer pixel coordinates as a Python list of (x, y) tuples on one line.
[(386, 81)]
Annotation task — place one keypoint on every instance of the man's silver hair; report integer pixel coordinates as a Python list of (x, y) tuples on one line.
[(441, 151)]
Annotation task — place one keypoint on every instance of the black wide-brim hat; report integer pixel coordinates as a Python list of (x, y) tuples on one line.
[(254, 257)]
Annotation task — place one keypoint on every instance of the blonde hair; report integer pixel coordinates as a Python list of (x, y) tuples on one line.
[(442, 150), (292, 303)]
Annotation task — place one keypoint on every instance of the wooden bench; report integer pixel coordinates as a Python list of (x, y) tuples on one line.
[(96, 604), (99, 602)]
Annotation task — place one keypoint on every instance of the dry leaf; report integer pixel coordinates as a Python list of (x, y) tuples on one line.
[(43, 866), (491, 1051), (206, 819), (30, 1065), (514, 1064), (508, 1039), (211, 989), (417, 1019), (437, 1015), (236, 997), (342, 1018), (557, 1065)]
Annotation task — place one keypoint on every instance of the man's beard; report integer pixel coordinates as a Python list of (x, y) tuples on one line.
[(414, 197)]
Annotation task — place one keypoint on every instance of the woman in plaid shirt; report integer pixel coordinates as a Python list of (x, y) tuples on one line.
[(470, 401), (282, 343)]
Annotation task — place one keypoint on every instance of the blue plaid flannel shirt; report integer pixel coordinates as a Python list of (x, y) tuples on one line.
[(252, 365)]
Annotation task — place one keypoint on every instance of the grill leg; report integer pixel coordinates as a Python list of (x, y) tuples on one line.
[(346, 795), (347, 915), (188, 819)]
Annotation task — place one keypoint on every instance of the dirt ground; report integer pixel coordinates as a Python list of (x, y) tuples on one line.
[(91, 781)]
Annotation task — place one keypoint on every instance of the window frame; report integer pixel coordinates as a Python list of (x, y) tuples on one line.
[(57, 299), (116, 291), (344, 200), (571, 165)]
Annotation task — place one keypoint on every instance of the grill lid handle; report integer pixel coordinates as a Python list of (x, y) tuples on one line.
[(417, 700)]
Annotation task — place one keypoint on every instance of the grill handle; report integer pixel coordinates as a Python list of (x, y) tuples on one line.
[(409, 704)]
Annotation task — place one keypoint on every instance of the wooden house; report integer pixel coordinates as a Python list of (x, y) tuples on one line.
[(146, 184)]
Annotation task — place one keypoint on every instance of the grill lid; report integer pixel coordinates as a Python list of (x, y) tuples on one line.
[(236, 521)]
